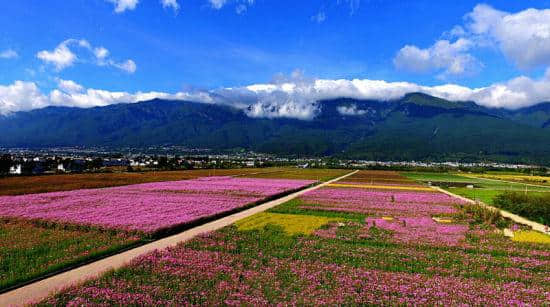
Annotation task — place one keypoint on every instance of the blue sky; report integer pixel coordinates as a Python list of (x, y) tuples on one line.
[(191, 45)]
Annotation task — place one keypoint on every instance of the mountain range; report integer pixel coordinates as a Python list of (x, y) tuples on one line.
[(415, 127)]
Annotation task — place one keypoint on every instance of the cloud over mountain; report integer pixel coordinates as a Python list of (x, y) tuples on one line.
[(292, 98)]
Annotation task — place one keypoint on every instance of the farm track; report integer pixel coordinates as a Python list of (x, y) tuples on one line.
[(514, 217), (41, 289)]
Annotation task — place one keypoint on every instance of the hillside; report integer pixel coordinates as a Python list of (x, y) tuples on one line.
[(417, 126)]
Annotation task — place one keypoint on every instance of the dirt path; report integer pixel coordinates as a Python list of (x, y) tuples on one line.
[(41, 289)]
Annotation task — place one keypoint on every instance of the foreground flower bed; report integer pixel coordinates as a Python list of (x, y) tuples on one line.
[(146, 207), (365, 255)]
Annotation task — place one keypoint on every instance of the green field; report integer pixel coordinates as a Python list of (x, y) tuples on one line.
[(29, 251), (485, 189)]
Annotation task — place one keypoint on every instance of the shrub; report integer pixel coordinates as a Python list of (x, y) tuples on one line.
[(535, 207), (483, 215)]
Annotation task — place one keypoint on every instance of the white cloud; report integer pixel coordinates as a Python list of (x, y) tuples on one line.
[(523, 37), (456, 31), (63, 56), (241, 6), (69, 86), (171, 4), (8, 54), (445, 57), (123, 5), (217, 4), (319, 17), (129, 5), (21, 96), (350, 110), (128, 66), (294, 98), (69, 93), (101, 53)]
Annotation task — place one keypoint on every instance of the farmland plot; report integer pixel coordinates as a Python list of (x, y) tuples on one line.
[(149, 207), (21, 185), (352, 246), (74, 226)]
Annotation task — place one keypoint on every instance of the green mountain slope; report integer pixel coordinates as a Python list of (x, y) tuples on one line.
[(416, 127)]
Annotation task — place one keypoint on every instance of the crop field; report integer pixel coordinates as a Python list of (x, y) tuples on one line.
[(294, 173), (484, 189), (67, 182), (529, 201), (339, 245), (148, 207), (518, 177), (59, 229), (28, 250)]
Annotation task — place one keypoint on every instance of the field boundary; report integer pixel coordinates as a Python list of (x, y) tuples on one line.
[(41, 289), (514, 217)]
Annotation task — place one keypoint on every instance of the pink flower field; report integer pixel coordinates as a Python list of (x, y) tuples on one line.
[(146, 207), (378, 202), (380, 248)]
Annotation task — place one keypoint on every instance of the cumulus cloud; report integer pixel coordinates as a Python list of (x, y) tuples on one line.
[(69, 86), (350, 110), (171, 4), (101, 53), (63, 56), (21, 96), (123, 5), (523, 37), (295, 97), (447, 58), (8, 54)]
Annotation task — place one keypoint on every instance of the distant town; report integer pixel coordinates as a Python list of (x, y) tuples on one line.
[(19, 161)]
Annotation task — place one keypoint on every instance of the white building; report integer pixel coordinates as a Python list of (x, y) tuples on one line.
[(16, 170)]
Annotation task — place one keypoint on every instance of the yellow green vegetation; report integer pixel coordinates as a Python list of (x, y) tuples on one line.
[(531, 236), (516, 178), (291, 223)]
